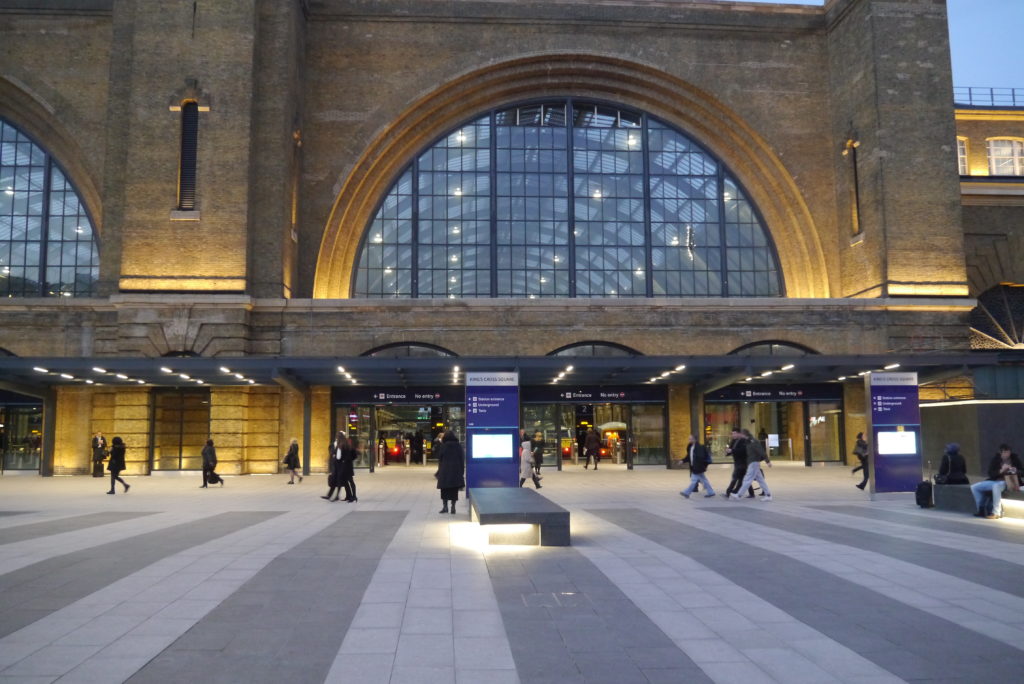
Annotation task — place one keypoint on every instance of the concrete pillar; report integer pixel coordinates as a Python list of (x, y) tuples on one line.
[(72, 454), (854, 418), (679, 421), (320, 429)]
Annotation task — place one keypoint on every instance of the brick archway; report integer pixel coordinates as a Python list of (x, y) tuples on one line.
[(695, 112)]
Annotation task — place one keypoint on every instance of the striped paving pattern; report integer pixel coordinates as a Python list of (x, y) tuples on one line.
[(261, 582)]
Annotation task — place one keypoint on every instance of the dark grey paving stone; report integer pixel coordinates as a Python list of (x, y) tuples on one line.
[(567, 622), (3, 513), (940, 523), (37, 590), (19, 533), (288, 621), (989, 572), (906, 641)]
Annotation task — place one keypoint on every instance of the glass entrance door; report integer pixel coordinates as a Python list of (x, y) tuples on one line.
[(181, 426), (397, 434), (21, 436)]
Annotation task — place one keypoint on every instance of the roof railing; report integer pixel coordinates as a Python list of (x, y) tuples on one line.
[(989, 97)]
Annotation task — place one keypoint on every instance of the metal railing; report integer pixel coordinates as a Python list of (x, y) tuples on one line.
[(989, 97)]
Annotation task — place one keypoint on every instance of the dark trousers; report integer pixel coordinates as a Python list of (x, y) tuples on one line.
[(737, 480), (536, 481), (115, 476), (350, 488), (863, 466), (595, 454), (207, 471)]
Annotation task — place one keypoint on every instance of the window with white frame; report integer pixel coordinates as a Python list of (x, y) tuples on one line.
[(1005, 157), (961, 156)]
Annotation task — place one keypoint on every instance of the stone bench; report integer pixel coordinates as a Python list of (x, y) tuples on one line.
[(959, 498), (533, 519)]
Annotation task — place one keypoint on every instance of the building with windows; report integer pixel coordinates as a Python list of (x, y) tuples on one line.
[(256, 220)]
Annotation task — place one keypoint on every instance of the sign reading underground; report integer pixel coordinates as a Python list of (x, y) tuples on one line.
[(895, 431), (492, 429)]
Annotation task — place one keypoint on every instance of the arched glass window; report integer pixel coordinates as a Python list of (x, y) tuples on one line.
[(403, 350), (566, 199), (47, 246), (772, 348), (595, 349)]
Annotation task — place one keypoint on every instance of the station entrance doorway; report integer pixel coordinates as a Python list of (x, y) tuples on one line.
[(631, 423), (397, 427), (795, 423)]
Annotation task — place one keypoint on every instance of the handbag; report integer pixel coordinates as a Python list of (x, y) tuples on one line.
[(941, 479), (1012, 483)]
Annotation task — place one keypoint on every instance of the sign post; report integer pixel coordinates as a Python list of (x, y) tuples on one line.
[(492, 429), (895, 432)]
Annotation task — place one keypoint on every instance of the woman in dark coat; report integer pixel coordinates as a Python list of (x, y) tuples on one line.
[(291, 461), (860, 450), (953, 469), (116, 464), (450, 470)]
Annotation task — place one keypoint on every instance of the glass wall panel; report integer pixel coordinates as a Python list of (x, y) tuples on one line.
[(47, 246), (21, 436), (543, 418), (527, 202), (825, 424)]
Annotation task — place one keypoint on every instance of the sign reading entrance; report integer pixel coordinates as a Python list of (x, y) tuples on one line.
[(492, 429), (896, 431)]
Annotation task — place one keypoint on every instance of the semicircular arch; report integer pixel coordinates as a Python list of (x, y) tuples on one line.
[(36, 120), (699, 114)]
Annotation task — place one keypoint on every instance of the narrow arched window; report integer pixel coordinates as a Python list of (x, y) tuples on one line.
[(189, 145)]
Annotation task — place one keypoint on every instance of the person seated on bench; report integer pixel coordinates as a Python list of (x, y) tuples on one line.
[(953, 470), (1004, 466)]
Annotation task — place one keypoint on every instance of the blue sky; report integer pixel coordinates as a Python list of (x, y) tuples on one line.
[(985, 41)]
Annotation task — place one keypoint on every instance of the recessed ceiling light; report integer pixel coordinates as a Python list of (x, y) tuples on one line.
[(99, 370)]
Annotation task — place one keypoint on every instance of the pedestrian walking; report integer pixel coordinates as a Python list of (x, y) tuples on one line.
[(335, 467), (291, 461), (699, 457), (451, 466), (538, 452), (860, 450), (349, 453), (116, 464), (738, 450), (755, 456), (591, 448), (526, 462), (210, 475)]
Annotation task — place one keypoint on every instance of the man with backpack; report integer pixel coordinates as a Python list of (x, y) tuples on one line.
[(755, 455)]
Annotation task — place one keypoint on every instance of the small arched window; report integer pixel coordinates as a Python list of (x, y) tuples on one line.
[(1005, 156), (403, 350), (189, 151), (47, 247), (772, 348), (595, 349)]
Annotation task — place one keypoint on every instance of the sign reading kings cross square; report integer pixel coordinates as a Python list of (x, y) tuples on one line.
[(492, 429)]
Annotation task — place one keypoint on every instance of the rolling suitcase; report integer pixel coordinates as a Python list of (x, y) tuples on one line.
[(923, 494)]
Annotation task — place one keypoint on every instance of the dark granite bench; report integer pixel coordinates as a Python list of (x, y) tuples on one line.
[(536, 519), (959, 498)]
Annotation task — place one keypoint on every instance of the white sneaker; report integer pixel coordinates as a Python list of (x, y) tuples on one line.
[(766, 497), (734, 497)]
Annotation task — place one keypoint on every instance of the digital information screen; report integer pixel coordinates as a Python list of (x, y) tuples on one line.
[(492, 445), (894, 443)]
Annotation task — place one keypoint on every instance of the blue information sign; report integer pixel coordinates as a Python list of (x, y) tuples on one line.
[(895, 431), (492, 429)]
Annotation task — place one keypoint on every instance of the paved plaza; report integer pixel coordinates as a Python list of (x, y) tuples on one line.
[(259, 582)]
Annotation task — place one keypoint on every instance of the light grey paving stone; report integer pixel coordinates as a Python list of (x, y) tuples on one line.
[(362, 668), (270, 636), (902, 640), (984, 570), (582, 628), (934, 522), (9, 535), (422, 674), (35, 591)]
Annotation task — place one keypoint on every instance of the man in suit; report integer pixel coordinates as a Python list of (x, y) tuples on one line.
[(699, 458), (99, 452)]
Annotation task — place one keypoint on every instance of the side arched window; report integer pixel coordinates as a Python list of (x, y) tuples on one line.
[(47, 245)]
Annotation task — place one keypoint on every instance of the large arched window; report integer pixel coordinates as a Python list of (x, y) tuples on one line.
[(46, 238), (566, 199)]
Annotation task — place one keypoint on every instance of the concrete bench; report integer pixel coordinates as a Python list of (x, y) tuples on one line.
[(959, 498), (532, 518)]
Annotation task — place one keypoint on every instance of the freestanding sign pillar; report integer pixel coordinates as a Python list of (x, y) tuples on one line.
[(492, 429), (895, 429)]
